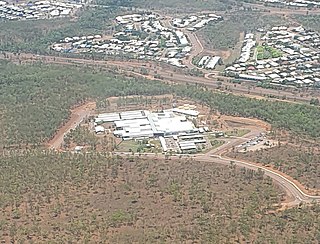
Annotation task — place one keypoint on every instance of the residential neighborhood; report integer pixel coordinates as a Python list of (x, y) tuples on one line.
[(294, 3), (173, 121), (195, 22), (208, 62), (38, 10), (141, 36), (282, 55)]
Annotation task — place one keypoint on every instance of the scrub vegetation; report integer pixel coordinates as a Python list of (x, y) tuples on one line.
[(300, 160), (309, 21), (60, 197), (225, 34), (173, 5), (56, 197), (35, 100), (299, 119)]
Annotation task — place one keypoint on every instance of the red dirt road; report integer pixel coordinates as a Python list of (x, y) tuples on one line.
[(77, 116)]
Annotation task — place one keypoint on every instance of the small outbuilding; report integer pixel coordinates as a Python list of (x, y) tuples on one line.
[(99, 129)]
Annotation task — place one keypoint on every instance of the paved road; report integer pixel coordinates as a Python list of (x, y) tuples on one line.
[(168, 75), (242, 88), (197, 47), (289, 186), (232, 142), (293, 190)]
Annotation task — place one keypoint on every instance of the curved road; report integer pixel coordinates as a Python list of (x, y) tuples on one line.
[(289, 186), (281, 179), (292, 189), (246, 88)]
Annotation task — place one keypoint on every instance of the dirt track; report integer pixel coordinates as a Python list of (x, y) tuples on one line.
[(77, 115), (296, 192)]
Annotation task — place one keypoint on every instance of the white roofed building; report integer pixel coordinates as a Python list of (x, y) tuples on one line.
[(99, 129), (167, 123), (143, 124)]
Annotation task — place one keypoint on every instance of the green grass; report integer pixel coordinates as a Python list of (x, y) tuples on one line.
[(214, 144), (196, 59), (120, 217), (237, 133), (139, 146), (162, 43), (127, 146), (266, 52)]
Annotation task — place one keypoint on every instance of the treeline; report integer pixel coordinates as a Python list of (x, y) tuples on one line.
[(297, 118), (173, 5), (35, 100), (301, 162), (311, 21)]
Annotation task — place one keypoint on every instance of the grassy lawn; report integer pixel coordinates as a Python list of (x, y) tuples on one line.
[(196, 59), (216, 143), (238, 133), (127, 146), (140, 146), (266, 52)]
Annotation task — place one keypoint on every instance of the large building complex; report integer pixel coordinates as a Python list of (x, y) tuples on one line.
[(144, 124)]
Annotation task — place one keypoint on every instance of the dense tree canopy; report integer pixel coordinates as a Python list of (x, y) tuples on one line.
[(36, 99)]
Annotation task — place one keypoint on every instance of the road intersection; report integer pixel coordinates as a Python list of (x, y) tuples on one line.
[(296, 193), (213, 80)]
